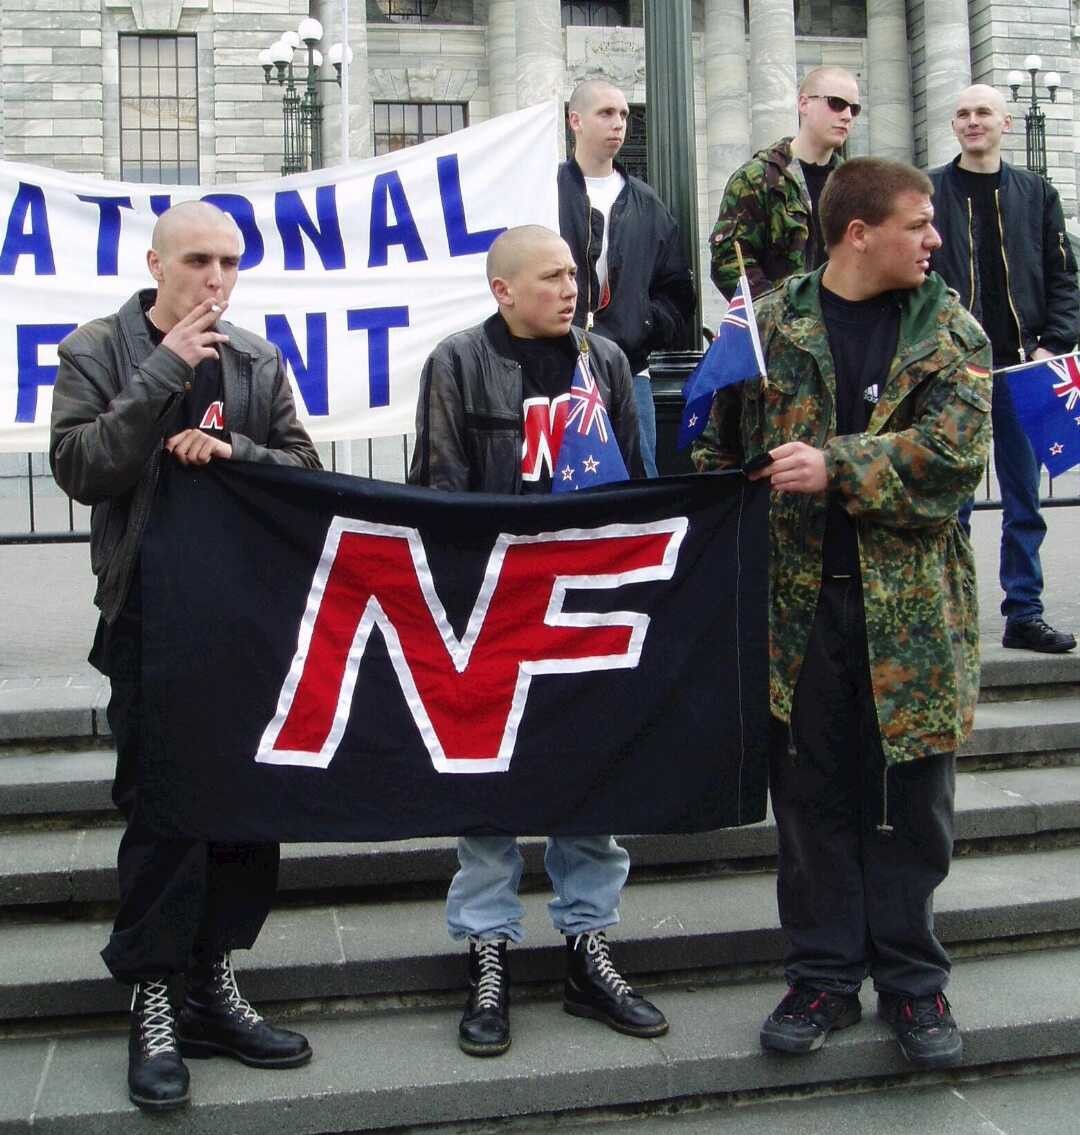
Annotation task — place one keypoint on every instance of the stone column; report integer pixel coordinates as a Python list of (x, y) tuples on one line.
[(355, 83), (502, 57), (889, 79), (948, 71), (773, 84), (727, 116), (541, 60)]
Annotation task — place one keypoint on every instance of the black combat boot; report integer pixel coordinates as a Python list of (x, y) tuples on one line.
[(216, 1019), (595, 989), (485, 1024), (157, 1078)]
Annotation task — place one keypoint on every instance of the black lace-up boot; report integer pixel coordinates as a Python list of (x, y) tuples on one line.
[(595, 989), (157, 1078), (485, 1024), (215, 1018)]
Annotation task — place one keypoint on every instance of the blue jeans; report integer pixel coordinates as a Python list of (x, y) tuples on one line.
[(1022, 525), (646, 412), (586, 872)]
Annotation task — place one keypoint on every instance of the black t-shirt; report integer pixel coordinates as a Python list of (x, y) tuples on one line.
[(862, 338), (203, 406), (995, 314), (815, 182), (547, 372)]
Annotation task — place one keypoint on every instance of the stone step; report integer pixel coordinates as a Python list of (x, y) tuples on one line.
[(59, 783), (403, 1068), (718, 926), (75, 709), (76, 865)]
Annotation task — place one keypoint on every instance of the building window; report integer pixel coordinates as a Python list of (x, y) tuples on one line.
[(159, 109), (633, 154), (401, 124), (409, 11), (596, 14)]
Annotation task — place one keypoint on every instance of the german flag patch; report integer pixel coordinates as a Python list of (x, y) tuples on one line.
[(976, 372)]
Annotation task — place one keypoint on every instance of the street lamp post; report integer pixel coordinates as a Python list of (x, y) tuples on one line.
[(301, 108), (1034, 118)]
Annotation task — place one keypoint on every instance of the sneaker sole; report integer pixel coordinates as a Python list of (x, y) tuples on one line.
[(205, 1049), (471, 1048), (1037, 649), (777, 1041), (945, 1059), (642, 1031)]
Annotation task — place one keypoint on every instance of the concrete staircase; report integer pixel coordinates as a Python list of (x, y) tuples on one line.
[(357, 956)]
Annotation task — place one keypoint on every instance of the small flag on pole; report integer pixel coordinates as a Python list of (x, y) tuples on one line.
[(1046, 396), (733, 356), (589, 453)]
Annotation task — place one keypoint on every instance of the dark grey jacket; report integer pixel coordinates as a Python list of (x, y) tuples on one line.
[(1039, 264), (115, 401), (469, 426)]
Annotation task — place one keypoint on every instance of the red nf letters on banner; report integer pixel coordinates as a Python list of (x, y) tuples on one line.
[(467, 695)]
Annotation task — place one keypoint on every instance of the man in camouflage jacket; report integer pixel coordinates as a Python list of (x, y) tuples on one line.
[(875, 415), (770, 204)]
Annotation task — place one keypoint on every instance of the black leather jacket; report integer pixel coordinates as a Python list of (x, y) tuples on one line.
[(115, 402), (1039, 264), (651, 285), (469, 424)]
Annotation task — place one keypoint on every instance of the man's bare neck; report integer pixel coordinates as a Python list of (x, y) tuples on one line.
[(595, 167), (807, 150)]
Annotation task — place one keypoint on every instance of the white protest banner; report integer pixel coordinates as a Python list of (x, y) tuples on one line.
[(354, 272)]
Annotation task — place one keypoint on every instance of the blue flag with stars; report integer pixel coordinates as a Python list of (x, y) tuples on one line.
[(1046, 396), (733, 356), (589, 453)]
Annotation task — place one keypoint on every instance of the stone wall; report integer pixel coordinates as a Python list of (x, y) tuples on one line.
[(51, 83)]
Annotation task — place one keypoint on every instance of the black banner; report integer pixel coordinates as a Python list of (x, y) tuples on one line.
[(332, 658)]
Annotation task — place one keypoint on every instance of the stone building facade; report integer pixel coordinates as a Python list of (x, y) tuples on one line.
[(143, 89)]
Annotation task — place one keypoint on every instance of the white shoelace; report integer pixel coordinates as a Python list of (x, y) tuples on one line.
[(491, 972), (232, 991), (157, 1027), (596, 947)]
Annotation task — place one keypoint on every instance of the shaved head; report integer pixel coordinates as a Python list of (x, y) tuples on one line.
[(980, 93), (586, 93), (514, 248), (817, 80), (189, 215)]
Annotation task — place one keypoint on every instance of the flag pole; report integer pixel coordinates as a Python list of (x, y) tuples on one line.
[(746, 290)]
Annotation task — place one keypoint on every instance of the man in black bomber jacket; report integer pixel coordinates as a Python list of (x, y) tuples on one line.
[(1005, 250), (635, 286)]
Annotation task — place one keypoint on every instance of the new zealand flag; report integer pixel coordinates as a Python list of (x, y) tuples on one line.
[(1046, 396), (589, 453), (332, 658), (733, 356)]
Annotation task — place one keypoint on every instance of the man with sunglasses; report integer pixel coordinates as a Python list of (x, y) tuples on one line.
[(770, 204), (1005, 251)]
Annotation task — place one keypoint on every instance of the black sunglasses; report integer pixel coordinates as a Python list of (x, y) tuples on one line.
[(838, 104)]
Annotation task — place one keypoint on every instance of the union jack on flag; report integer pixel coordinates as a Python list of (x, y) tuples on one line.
[(733, 356), (589, 453), (1046, 397), (1068, 384)]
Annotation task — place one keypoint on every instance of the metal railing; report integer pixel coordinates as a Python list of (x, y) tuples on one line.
[(34, 511)]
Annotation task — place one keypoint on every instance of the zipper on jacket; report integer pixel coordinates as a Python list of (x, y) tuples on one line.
[(1061, 249), (971, 258), (588, 264), (1008, 288)]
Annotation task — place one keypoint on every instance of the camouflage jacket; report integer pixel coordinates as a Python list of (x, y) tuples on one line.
[(766, 208), (902, 480)]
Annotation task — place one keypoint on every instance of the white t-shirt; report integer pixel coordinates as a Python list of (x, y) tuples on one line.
[(602, 192)]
